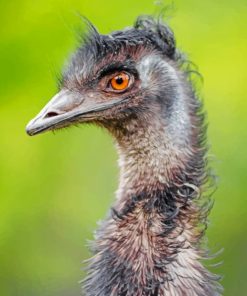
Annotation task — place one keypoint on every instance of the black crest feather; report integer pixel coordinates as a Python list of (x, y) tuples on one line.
[(163, 33)]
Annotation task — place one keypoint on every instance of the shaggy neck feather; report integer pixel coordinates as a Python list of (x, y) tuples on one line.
[(148, 159), (150, 244)]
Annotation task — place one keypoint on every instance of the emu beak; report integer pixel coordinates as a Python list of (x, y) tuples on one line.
[(65, 108), (61, 108)]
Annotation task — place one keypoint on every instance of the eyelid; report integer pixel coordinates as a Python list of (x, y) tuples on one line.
[(127, 66)]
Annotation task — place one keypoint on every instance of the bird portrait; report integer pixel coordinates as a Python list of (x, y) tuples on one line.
[(136, 84)]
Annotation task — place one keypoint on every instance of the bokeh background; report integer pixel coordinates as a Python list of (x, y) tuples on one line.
[(53, 188)]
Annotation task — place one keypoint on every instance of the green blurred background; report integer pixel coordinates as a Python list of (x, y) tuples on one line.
[(53, 188)]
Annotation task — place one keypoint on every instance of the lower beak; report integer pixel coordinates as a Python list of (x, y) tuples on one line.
[(65, 108)]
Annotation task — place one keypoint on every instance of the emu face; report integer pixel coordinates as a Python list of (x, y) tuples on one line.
[(114, 78)]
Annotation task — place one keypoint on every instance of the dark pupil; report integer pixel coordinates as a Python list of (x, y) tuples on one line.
[(119, 80)]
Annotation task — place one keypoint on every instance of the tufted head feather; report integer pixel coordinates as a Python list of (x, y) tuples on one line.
[(145, 55)]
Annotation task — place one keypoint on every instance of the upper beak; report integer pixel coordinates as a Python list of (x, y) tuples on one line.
[(65, 108)]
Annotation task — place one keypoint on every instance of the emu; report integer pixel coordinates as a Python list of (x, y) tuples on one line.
[(134, 83)]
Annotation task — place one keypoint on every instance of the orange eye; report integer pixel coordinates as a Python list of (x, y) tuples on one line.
[(120, 81)]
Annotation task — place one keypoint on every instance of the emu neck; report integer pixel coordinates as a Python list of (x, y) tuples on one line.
[(149, 158), (150, 244)]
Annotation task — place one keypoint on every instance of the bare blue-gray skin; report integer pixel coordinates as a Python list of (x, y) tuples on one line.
[(134, 83)]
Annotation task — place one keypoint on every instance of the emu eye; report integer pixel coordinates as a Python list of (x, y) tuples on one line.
[(120, 81)]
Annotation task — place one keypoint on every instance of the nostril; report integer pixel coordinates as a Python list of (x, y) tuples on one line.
[(51, 114)]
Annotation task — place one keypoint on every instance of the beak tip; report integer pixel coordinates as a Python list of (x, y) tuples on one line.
[(29, 133), (30, 130)]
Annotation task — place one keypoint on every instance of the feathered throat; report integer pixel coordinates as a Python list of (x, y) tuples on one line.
[(152, 246)]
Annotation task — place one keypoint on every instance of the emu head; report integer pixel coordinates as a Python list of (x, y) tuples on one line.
[(112, 80)]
